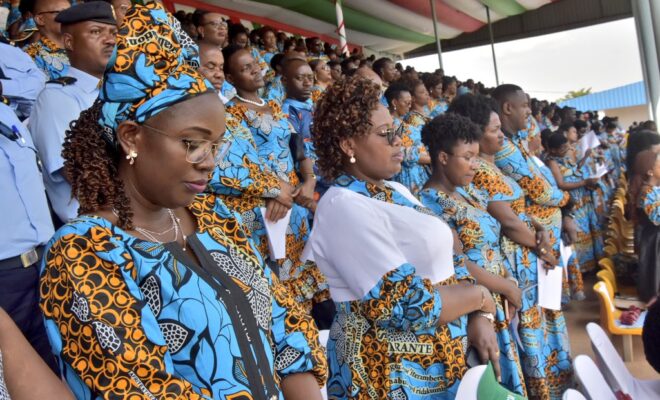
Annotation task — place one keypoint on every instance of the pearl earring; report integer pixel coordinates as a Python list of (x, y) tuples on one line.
[(352, 160), (132, 155)]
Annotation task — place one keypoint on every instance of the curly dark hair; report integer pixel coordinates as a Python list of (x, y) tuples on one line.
[(410, 83), (395, 90), (447, 130), (343, 112), (476, 107), (431, 80), (91, 166)]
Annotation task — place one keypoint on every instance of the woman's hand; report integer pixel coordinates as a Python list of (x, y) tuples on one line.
[(305, 197), (591, 183), (488, 302), (481, 335), (277, 208), (513, 294), (544, 249), (287, 193)]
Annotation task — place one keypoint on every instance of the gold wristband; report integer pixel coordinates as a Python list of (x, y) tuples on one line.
[(483, 296)]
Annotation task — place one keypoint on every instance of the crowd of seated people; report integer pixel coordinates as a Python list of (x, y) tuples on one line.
[(148, 160)]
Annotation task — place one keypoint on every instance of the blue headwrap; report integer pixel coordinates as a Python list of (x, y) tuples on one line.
[(154, 65)]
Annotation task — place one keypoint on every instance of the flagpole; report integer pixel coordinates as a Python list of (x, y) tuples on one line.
[(341, 30)]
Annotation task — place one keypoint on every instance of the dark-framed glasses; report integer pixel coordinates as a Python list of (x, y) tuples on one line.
[(198, 149), (391, 133)]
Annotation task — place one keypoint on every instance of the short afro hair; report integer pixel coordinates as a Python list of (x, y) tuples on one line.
[(447, 130), (431, 81), (556, 140), (395, 90), (342, 113), (476, 107)]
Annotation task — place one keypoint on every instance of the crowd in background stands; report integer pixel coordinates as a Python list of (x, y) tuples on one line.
[(420, 213)]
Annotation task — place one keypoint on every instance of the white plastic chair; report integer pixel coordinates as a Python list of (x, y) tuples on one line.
[(614, 369), (572, 394), (323, 339), (467, 389), (591, 380)]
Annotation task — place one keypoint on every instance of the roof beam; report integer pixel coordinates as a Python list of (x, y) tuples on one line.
[(555, 17)]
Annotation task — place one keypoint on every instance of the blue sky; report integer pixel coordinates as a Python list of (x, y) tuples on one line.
[(600, 56)]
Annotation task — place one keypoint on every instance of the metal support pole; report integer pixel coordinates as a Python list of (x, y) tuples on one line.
[(435, 31), (648, 51), (492, 46)]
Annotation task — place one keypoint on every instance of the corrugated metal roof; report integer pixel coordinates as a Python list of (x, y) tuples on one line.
[(630, 95)]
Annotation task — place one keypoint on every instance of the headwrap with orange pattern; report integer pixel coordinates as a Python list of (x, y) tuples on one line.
[(154, 65)]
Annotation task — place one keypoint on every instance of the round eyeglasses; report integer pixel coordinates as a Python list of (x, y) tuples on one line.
[(198, 149)]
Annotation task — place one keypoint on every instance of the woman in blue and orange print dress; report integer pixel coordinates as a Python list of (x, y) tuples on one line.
[(155, 291), (544, 356), (259, 172), (402, 315), (437, 104), (453, 142), (414, 173), (570, 177)]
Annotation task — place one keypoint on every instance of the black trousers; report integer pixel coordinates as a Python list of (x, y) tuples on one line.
[(19, 297)]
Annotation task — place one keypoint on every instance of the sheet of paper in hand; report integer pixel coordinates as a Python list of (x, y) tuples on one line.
[(276, 232)]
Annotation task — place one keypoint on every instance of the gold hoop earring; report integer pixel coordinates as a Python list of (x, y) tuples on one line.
[(352, 160), (131, 156)]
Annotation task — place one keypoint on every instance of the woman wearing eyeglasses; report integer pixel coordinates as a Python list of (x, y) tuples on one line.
[(155, 291), (263, 170), (453, 142), (402, 296), (416, 158), (545, 361)]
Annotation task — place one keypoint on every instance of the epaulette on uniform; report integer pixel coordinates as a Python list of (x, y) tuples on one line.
[(63, 80)]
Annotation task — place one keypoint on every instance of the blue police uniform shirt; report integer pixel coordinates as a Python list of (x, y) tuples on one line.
[(56, 107), (21, 79), (26, 221)]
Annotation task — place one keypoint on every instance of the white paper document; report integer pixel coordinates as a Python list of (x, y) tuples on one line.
[(601, 169), (565, 252), (276, 232), (586, 142), (550, 281)]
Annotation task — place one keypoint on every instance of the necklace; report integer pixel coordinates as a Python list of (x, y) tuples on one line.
[(152, 236), (259, 103)]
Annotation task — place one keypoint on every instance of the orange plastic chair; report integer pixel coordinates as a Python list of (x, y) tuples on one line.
[(609, 317)]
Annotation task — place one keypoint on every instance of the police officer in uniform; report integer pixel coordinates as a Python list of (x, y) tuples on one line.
[(26, 227), (20, 79), (88, 33)]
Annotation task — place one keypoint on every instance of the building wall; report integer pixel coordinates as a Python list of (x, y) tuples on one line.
[(628, 115)]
